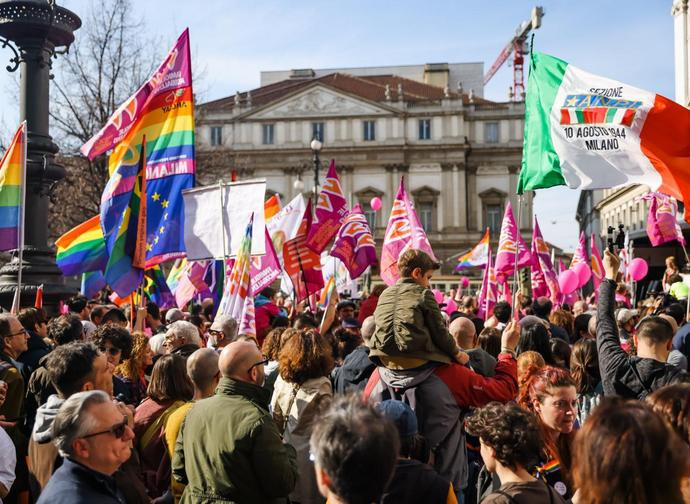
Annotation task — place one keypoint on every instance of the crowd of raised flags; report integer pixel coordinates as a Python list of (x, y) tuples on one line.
[(150, 143)]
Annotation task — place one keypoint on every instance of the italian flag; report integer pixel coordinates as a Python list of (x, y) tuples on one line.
[(590, 132)]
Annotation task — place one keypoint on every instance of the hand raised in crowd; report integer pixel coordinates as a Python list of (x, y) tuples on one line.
[(462, 358), (511, 336), (611, 265)]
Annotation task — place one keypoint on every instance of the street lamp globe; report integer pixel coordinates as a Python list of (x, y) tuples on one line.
[(298, 185), (316, 145)]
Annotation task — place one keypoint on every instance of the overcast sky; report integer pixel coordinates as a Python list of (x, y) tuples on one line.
[(232, 41)]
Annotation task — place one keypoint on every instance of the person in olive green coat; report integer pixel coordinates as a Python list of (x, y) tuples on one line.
[(229, 449), (410, 330)]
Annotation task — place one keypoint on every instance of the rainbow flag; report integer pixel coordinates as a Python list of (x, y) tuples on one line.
[(162, 110), (478, 256), (12, 187), (91, 283), (175, 274), (327, 293), (124, 241), (156, 288), (82, 248), (271, 207), (238, 284)]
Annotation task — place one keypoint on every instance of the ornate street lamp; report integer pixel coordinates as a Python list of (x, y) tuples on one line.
[(36, 31), (316, 147)]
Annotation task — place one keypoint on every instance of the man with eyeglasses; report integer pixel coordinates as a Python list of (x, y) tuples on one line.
[(13, 342), (229, 447), (94, 439)]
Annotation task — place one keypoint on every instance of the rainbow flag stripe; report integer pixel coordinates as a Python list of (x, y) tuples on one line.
[(478, 255), (327, 293), (82, 248), (162, 111), (12, 172)]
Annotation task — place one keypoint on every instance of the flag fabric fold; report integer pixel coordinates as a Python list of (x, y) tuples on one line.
[(478, 255), (542, 257), (510, 243), (38, 301), (91, 283), (156, 288), (403, 232), (580, 255), (302, 264), (596, 263), (238, 284), (82, 248), (489, 291), (587, 132), (354, 244), (162, 109), (331, 209), (12, 187), (662, 224)]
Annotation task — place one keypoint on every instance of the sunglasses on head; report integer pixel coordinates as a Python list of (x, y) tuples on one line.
[(111, 350), (117, 430)]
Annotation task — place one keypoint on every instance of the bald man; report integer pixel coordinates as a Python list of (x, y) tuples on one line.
[(229, 447), (465, 334)]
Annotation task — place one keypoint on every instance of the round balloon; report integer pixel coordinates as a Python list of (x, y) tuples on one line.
[(583, 273), (451, 306), (638, 269), (438, 296), (465, 282), (568, 281), (375, 203)]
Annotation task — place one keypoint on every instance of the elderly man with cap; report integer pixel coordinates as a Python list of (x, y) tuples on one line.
[(222, 332), (229, 448)]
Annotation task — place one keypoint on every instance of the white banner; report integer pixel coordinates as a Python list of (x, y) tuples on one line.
[(215, 219)]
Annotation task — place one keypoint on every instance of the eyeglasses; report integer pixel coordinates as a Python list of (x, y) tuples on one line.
[(117, 430), (262, 363), (22, 332), (112, 350)]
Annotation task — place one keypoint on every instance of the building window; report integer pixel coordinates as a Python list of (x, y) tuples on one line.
[(426, 216), (216, 135), (494, 217), (317, 131), (370, 214), (425, 129), (267, 136), (491, 132), (369, 130)]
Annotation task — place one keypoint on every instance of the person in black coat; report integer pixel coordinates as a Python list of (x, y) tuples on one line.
[(36, 325), (632, 377)]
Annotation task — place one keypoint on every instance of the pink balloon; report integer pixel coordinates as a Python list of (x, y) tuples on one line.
[(465, 282), (438, 296), (375, 203), (568, 281), (583, 273), (451, 306), (638, 269)]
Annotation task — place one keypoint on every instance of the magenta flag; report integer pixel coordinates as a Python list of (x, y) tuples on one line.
[(266, 268), (561, 266), (191, 283), (509, 244), (538, 281), (331, 210), (484, 311), (541, 249), (662, 224), (354, 245), (302, 264), (404, 231), (580, 255)]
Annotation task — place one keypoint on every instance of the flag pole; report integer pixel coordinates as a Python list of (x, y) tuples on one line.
[(22, 210), (517, 238)]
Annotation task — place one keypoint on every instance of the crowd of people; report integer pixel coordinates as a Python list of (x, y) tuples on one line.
[(387, 400)]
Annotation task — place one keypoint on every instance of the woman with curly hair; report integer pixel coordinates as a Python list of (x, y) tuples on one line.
[(302, 390), (510, 442), (550, 394), (584, 368), (131, 371)]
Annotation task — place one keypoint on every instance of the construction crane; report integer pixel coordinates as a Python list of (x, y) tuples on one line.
[(518, 47)]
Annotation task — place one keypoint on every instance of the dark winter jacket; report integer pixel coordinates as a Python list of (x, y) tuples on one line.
[(440, 397), (74, 483), (414, 482), (355, 371), (36, 350), (621, 374)]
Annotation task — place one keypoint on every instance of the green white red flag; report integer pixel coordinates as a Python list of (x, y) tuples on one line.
[(590, 132)]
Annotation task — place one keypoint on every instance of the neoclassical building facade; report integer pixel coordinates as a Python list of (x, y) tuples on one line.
[(459, 153)]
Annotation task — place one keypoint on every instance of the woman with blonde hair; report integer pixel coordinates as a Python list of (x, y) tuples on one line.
[(670, 271), (301, 392), (131, 370)]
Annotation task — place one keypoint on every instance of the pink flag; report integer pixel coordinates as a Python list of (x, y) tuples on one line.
[(538, 281), (561, 266), (483, 311), (248, 322), (191, 283), (354, 245), (580, 255), (541, 249), (597, 263), (302, 264), (404, 231), (331, 209), (662, 225), (266, 268), (510, 243)]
